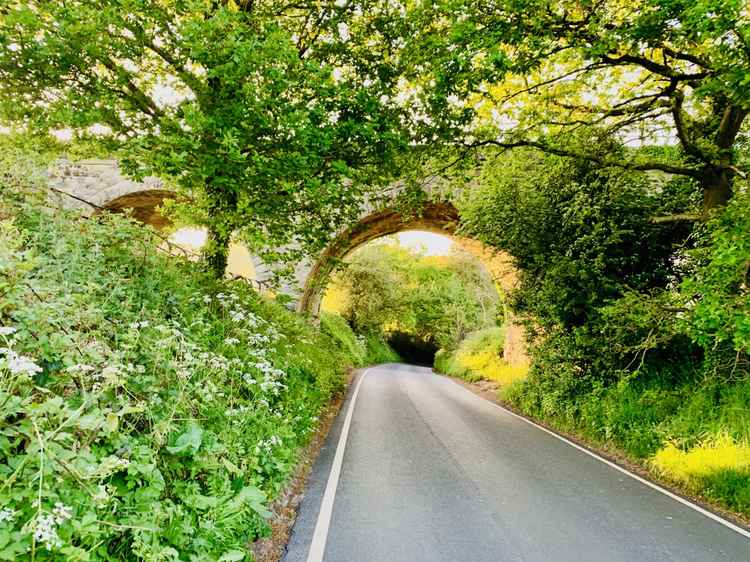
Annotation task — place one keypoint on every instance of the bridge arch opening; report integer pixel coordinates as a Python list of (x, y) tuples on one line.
[(440, 218), (436, 217)]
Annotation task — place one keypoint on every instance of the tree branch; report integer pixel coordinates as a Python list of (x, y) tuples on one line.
[(137, 97), (653, 66), (730, 125), (644, 167), (682, 132), (183, 73), (696, 60), (548, 82)]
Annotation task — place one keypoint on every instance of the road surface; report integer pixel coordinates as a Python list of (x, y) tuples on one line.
[(430, 472)]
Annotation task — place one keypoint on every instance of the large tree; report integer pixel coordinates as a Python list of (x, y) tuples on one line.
[(273, 116), (532, 72)]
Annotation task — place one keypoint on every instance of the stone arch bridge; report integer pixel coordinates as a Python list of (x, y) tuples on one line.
[(97, 185)]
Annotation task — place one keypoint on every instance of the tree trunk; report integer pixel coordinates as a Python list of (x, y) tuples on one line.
[(717, 188), (216, 250), (222, 203)]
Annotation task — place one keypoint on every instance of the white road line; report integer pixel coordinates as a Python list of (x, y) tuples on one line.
[(691, 505), (320, 535)]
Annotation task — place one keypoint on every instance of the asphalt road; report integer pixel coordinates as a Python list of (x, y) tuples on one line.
[(431, 472)]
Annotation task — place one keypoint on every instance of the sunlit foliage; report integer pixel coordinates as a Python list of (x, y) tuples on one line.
[(388, 288)]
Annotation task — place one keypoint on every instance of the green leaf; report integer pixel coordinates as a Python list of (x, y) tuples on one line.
[(233, 556), (188, 442)]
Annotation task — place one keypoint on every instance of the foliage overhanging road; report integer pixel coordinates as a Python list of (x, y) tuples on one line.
[(433, 473)]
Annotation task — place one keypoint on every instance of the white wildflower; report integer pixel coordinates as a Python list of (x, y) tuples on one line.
[(101, 497), (79, 368), (237, 315), (231, 341), (454, 100), (21, 365), (112, 376), (207, 299), (62, 513), (45, 532), (7, 330), (343, 30), (7, 515), (108, 466)]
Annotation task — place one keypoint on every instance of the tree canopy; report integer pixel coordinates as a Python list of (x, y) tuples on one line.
[(273, 117), (646, 72)]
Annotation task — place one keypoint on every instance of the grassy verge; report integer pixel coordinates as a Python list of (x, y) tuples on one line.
[(693, 435), (147, 411), (364, 350)]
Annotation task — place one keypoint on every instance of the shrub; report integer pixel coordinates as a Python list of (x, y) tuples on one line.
[(378, 351), (640, 331), (336, 327), (718, 293), (363, 349)]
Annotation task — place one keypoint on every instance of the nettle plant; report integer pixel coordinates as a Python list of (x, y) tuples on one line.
[(147, 411)]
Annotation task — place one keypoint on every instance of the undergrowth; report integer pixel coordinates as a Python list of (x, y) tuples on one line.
[(147, 411), (364, 349)]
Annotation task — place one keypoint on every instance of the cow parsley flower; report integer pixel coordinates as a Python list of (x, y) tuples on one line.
[(237, 315), (231, 341), (343, 30), (101, 497), (112, 376), (62, 513), (79, 368), (45, 532), (7, 515), (21, 365), (7, 330)]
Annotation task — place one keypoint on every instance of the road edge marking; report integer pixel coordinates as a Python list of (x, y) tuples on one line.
[(320, 535), (684, 501)]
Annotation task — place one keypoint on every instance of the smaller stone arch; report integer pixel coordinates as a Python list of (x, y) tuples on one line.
[(98, 185), (144, 205)]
